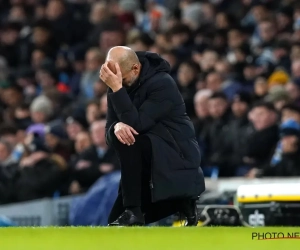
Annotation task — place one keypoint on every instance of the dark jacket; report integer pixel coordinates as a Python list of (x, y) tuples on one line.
[(288, 166), (155, 108), (261, 145), (239, 128), (214, 137), (40, 180), (87, 176)]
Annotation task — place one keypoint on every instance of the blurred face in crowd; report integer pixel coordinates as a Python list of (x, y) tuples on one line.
[(217, 107), (296, 69), (22, 113), (290, 143), (38, 117), (186, 74), (250, 72), (260, 87), (178, 39), (40, 36), (262, 118), (9, 37), (170, 58), (45, 79), (282, 21), (209, 60), (17, 14), (235, 38), (4, 152), (55, 9), (288, 114), (93, 60), (99, 88), (37, 57), (98, 133), (260, 13), (11, 97), (201, 103), (239, 109), (162, 41), (103, 105), (267, 31), (82, 141), (222, 21), (92, 113), (208, 11), (40, 12), (295, 52), (73, 128), (293, 91), (109, 39), (98, 12), (51, 141), (10, 138), (214, 81)]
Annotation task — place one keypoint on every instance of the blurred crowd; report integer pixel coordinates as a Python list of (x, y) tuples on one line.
[(236, 63)]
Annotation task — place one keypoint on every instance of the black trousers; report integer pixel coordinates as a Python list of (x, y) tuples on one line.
[(135, 182)]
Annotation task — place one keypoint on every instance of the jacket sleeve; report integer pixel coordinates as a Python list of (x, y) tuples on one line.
[(157, 105), (111, 120)]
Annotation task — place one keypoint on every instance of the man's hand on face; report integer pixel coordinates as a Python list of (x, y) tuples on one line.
[(113, 81), (125, 133)]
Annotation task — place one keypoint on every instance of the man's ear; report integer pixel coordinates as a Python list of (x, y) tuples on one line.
[(136, 68)]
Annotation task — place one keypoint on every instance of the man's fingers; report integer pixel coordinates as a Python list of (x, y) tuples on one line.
[(125, 137), (133, 131), (118, 69), (120, 139), (131, 138), (106, 69)]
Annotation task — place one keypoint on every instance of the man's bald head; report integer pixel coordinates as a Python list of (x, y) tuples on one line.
[(124, 56), (128, 61)]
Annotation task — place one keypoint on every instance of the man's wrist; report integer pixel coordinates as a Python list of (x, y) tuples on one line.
[(116, 89)]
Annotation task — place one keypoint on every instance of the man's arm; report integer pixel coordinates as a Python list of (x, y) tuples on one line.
[(111, 120), (156, 106)]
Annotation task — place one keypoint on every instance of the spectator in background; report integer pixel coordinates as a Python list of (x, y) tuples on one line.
[(186, 78), (262, 141), (82, 143), (214, 135), (75, 124), (41, 110), (290, 112), (8, 167), (278, 96), (56, 141), (97, 160), (287, 158), (93, 60), (201, 100), (111, 35), (92, 111), (293, 89), (238, 130), (40, 173)]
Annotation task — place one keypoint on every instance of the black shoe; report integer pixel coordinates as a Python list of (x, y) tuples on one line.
[(189, 209), (128, 219)]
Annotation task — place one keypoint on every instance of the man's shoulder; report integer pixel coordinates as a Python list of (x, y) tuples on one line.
[(161, 79)]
